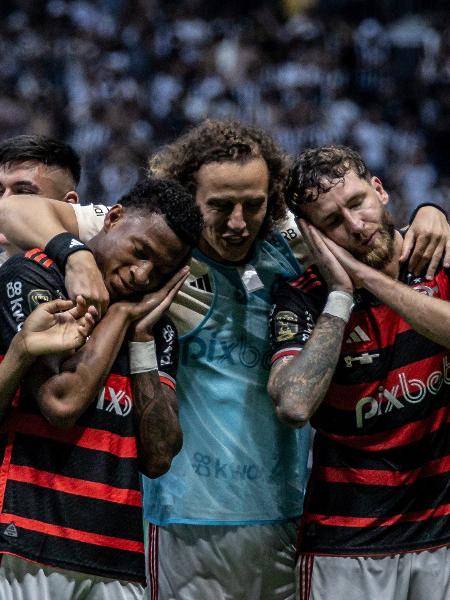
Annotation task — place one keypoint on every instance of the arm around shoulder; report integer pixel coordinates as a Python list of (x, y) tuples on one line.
[(18, 220)]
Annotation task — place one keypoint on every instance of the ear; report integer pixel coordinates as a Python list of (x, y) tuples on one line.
[(381, 192), (71, 197), (115, 214)]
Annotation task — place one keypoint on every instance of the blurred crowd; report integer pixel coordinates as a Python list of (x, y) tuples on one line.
[(119, 78)]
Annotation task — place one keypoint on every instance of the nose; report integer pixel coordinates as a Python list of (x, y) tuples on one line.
[(141, 273), (353, 222), (236, 221)]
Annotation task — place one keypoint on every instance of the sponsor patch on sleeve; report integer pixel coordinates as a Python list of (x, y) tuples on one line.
[(286, 325), (36, 297)]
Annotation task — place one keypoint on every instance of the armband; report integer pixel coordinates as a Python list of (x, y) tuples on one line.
[(436, 206), (142, 357), (339, 304), (60, 247)]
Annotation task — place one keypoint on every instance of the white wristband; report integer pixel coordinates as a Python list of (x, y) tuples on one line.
[(142, 357), (339, 304)]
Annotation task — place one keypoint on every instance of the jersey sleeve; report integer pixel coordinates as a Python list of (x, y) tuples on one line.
[(90, 219), (297, 306), (167, 350), (25, 282), (291, 233)]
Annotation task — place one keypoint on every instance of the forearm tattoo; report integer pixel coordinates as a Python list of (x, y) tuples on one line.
[(159, 434), (300, 386)]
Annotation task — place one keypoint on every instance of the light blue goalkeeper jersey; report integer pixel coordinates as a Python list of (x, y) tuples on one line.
[(239, 464)]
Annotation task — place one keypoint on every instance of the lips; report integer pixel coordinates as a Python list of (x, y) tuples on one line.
[(368, 240), (121, 287), (235, 240)]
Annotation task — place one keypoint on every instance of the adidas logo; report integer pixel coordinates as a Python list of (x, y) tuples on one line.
[(11, 531), (74, 243), (357, 335), (202, 283)]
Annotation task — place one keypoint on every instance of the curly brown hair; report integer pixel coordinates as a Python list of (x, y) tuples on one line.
[(219, 141), (317, 170)]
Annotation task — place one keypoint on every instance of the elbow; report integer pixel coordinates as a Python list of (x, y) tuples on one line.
[(291, 412), (154, 467), (294, 416), (155, 470), (60, 414)]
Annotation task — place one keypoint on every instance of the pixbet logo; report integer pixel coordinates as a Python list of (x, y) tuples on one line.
[(412, 391), (228, 352), (116, 401)]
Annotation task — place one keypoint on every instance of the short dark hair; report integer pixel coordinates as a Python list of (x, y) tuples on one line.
[(42, 149), (169, 199), (221, 141), (317, 170)]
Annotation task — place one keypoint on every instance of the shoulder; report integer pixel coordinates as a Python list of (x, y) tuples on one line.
[(308, 288), (291, 233), (25, 281), (165, 329), (33, 264), (90, 219)]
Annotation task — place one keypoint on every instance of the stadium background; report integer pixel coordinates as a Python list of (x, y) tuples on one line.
[(119, 78)]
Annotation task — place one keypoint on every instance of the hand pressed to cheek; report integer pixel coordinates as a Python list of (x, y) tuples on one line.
[(152, 306), (330, 268), (352, 266)]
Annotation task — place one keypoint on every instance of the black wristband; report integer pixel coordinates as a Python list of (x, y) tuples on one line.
[(416, 210), (60, 247)]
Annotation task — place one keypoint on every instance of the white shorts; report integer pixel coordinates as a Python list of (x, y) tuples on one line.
[(412, 576), (200, 562), (22, 579)]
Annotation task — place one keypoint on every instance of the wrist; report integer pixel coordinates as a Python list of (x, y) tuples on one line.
[(121, 310), (142, 357), (141, 336), (339, 304), (62, 246), (427, 205), (19, 349), (341, 288), (80, 259)]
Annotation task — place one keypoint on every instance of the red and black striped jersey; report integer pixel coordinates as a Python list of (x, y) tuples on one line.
[(380, 481), (71, 498)]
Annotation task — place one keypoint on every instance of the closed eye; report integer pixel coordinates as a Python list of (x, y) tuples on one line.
[(333, 222), (26, 190)]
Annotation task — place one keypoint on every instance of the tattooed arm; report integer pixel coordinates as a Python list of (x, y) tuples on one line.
[(159, 436), (298, 384), (301, 373), (159, 432)]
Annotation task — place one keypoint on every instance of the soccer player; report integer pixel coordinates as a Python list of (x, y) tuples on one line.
[(236, 488), (34, 164), (361, 348), (71, 515)]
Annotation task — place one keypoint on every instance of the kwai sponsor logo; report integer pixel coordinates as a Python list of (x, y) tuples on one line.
[(406, 391)]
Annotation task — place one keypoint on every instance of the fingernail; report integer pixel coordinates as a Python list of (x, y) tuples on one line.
[(429, 277)]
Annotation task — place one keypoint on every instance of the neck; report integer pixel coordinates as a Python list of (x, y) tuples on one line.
[(209, 251), (94, 244)]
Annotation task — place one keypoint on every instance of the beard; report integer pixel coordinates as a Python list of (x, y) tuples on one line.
[(381, 254)]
